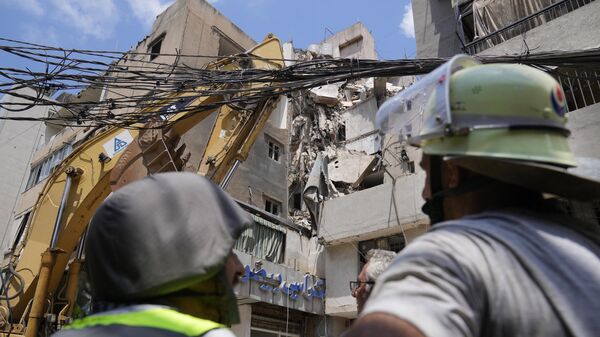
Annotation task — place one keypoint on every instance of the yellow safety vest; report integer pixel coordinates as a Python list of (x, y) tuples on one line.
[(152, 317)]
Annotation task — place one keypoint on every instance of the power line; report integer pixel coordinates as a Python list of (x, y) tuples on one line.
[(141, 90)]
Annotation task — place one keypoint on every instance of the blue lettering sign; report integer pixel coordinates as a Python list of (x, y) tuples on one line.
[(311, 287)]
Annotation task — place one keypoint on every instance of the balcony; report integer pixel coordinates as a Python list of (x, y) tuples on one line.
[(519, 27), (375, 212)]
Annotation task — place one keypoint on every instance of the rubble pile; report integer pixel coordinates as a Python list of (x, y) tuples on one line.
[(318, 128)]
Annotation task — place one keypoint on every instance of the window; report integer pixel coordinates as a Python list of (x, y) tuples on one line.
[(263, 239), (394, 243), (297, 205), (274, 150), (154, 48), (43, 169), (272, 206)]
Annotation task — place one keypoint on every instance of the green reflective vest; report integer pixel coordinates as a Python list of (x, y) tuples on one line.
[(149, 316)]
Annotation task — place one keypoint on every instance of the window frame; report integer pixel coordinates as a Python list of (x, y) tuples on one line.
[(157, 41), (274, 150), (273, 202)]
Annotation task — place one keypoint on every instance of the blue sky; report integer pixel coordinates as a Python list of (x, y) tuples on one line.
[(119, 24)]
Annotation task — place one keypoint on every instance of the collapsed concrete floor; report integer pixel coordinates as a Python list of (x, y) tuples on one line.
[(333, 138)]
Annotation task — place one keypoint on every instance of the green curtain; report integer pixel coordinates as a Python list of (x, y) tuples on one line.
[(263, 239)]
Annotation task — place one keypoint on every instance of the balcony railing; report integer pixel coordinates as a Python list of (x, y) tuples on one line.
[(581, 87), (523, 25)]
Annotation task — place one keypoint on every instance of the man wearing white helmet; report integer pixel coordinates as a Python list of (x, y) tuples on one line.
[(500, 260)]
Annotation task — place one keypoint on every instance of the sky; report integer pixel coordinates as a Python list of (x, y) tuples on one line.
[(117, 25)]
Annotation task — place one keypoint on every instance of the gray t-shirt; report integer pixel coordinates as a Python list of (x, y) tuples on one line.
[(509, 273)]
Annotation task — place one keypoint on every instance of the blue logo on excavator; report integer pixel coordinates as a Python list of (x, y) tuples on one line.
[(119, 145)]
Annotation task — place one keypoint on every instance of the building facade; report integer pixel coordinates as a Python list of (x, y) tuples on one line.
[(18, 141), (282, 293)]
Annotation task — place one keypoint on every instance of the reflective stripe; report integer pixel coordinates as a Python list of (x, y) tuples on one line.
[(160, 318)]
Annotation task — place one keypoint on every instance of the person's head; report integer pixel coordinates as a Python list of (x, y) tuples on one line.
[(168, 239), (492, 136), (377, 262)]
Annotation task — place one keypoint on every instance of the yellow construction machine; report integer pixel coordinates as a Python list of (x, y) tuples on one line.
[(108, 159)]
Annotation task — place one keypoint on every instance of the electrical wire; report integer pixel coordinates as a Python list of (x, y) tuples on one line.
[(139, 90)]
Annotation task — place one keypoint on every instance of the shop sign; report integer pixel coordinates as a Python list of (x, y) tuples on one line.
[(311, 286)]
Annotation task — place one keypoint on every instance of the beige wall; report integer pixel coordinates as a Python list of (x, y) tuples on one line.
[(18, 141), (354, 42)]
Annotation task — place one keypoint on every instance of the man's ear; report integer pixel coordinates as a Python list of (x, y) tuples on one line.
[(451, 175)]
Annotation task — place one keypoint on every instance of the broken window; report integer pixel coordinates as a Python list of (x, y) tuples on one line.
[(154, 48), (227, 46), (272, 206), (274, 150), (394, 243)]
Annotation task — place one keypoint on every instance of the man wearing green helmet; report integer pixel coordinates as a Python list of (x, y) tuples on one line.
[(160, 261), (499, 260)]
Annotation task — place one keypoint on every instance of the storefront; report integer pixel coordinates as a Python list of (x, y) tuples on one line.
[(278, 301)]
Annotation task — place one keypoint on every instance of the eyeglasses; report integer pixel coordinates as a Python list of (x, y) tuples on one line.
[(355, 284)]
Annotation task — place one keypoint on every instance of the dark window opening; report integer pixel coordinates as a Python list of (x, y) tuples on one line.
[(272, 206), (274, 150), (341, 132), (227, 46), (297, 205), (154, 48), (465, 17)]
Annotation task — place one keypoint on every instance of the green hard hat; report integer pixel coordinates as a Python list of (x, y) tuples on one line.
[(508, 111), (506, 121)]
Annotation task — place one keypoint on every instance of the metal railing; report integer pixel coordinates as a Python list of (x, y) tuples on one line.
[(523, 25), (582, 88)]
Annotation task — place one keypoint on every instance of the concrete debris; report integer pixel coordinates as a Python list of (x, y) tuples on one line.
[(327, 94), (349, 166), (319, 135), (392, 90)]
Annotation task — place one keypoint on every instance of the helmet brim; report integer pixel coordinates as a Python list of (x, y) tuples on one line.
[(535, 176)]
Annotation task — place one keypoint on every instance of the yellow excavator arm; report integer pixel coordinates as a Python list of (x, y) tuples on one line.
[(107, 160)]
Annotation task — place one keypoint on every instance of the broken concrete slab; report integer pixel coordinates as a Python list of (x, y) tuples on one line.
[(349, 166), (326, 94)]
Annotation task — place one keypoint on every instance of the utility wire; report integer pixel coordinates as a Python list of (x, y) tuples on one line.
[(139, 90)]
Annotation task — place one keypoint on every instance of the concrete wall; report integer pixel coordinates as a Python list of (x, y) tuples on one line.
[(359, 120), (243, 328), (355, 41), (374, 212), (343, 267), (435, 28), (18, 141), (261, 177), (584, 125)]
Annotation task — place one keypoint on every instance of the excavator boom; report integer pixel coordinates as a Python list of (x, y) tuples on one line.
[(109, 159)]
